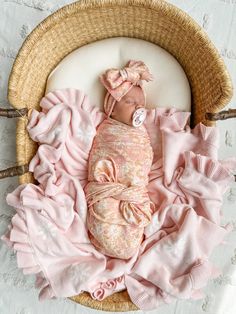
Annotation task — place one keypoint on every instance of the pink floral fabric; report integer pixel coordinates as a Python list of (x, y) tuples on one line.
[(118, 202), (119, 81), (186, 183)]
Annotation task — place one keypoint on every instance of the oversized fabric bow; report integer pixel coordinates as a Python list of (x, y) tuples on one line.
[(119, 81)]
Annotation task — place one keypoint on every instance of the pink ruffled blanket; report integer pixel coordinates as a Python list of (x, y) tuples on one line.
[(186, 182)]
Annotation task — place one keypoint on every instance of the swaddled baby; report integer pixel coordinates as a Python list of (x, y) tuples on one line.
[(119, 163)]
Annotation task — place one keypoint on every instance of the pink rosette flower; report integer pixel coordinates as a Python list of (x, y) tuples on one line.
[(120, 279), (109, 284), (98, 294)]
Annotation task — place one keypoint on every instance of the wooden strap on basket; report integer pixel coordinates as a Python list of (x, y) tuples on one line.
[(20, 170), (14, 171), (17, 170), (13, 113), (222, 115)]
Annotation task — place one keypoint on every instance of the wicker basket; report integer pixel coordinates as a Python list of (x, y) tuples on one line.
[(87, 21)]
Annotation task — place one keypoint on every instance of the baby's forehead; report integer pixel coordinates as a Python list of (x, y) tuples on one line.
[(134, 92)]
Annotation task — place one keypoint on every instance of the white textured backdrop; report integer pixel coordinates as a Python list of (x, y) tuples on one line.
[(17, 293)]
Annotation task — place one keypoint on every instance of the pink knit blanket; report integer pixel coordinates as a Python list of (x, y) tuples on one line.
[(186, 183)]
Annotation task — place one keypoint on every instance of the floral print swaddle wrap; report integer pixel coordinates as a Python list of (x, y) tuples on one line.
[(118, 203)]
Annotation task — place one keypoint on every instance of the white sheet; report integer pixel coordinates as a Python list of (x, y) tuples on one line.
[(17, 293), (81, 70)]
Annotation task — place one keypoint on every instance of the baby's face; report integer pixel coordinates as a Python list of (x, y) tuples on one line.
[(124, 109)]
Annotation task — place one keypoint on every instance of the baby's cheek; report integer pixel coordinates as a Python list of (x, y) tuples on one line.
[(131, 110), (126, 112)]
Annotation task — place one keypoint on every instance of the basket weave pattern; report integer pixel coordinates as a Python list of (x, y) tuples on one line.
[(84, 22)]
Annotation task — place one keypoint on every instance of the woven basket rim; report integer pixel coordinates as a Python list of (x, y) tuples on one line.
[(73, 8)]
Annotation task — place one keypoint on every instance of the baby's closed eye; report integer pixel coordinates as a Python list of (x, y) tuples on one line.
[(130, 101)]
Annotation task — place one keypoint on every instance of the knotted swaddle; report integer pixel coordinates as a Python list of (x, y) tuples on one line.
[(118, 167), (119, 205)]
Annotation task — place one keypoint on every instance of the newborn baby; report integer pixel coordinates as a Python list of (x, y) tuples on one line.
[(119, 163)]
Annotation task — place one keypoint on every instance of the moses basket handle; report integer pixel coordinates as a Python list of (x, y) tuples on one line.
[(14, 113)]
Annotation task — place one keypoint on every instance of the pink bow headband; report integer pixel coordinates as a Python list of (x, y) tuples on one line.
[(119, 82)]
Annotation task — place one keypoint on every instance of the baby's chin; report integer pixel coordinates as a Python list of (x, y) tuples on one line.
[(127, 122)]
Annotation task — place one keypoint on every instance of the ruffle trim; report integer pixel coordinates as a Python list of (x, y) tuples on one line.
[(107, 288), (73, 98), (209, 134), (18, 239), (210, 168), (177, 121), (154, 115)]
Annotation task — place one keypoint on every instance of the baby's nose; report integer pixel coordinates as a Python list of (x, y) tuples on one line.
[(138, 106)]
